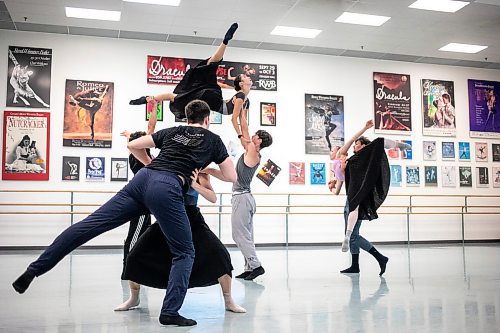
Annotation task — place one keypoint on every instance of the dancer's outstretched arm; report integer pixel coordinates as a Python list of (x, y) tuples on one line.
[(138, 148), (348, 144)]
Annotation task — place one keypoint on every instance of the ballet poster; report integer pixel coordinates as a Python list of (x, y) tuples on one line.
[(396, 176), (71, 168), (482, 179), (94, 169), (495, 148), (88, 114), (448, 176), (26, 145), (465, 176), (28, 81), (483, 106), (496, 177), (481, 152), (318, 174), (430, 175), (297, 173), (159, 111), (119, 169), (448, 151), (324, 123), (438, 108), (268, 172), (429, 150), (412, 175), (392, 110), (170, 71), (401, 153), (464, 151), (267, 114)]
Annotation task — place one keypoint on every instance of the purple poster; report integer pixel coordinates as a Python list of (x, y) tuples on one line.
[(483, 97)]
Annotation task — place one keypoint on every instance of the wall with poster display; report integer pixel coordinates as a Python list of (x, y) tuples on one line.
[(346, 81)]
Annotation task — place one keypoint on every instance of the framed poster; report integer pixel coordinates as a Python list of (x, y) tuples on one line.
[(465, 176), (268, 172), (318, 174), (297, 172), (481, 152), (26, 145), (396, 176), (482, 179), (464, 151), (412, 175), (448, 176), (429, 150), (119, 169), (28, 81), (215, 117), (448, 151), (392, 109), (88, 114), (496, 176), (159, 111), (95, 169), (438, 108), (71, 168), (495, 149), (431, 176), (483, 105), (267, 114), (404, 150)]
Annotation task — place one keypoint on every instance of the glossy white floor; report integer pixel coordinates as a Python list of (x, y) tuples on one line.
[(425, 289)]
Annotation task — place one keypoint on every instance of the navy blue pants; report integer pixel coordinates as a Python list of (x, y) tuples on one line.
[(160, 193), (356, 241)]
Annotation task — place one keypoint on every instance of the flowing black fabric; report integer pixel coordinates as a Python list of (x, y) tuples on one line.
[(367, 179), (199, 82), (150, 260)]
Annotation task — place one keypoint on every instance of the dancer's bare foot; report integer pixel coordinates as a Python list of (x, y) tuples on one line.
[(128, 304), (232, 306)]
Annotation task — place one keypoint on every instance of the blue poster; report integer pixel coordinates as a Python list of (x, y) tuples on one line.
[(396, 177), (448, 150), (464, 151), (95, 169), (318, 174)]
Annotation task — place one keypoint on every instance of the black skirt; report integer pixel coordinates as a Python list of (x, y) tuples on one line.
[(199, 82), (367, 179), (150, 260)]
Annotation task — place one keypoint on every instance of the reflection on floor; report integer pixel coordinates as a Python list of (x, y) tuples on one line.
[(425, 289)]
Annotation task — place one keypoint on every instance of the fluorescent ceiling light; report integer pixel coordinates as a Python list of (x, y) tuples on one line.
[(93, 14), (157, 2), (295, 32), (447, 6), (363, 19), (464, 48)]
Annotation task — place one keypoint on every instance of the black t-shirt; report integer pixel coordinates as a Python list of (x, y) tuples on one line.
[(185, 148)]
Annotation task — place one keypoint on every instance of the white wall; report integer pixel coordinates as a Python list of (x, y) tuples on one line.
[(124, 63)]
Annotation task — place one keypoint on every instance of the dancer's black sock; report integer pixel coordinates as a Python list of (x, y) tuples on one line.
[(230, 33), (354, 265), (243, 275), (176, 320), (23, 282), (139, 101), (382, 260), (256, 272)]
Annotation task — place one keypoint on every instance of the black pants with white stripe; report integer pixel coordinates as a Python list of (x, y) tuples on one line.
[(137, 227)]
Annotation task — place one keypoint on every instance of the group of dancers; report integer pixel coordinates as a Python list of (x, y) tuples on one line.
[(180, 251)]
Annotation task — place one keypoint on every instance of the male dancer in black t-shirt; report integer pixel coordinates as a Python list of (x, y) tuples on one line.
[(158, 188)]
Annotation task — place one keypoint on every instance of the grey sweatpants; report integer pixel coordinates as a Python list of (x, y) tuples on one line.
[(242, 226)]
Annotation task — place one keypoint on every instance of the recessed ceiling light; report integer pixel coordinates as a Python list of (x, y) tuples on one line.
[(464, 48), (157, 2), (93, 14), (295, 32), (363, 19), (447, 6)]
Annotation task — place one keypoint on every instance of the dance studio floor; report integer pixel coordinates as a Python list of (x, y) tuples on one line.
[(425, 289)]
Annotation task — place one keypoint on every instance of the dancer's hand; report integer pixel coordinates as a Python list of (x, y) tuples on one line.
[(369, 124), (194, 177), (125, 134), (151, 99)]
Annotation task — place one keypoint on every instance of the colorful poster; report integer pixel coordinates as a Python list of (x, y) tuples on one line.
[(431, 176), (449, 176), (465, 176), (429, 150), (392, 110), (483, 97), (71, 168), (88, 114), (403, 151), (318, 174), (268, 172), (482, 179), (396, 176), (119, 169), (464, 151), (448, 151), (412, 175), (215, 117), (438, 108), (267, 114), (495, 149), (159, 111), (297, 173), (26, 145), (324, 122), (94, 169), (169, 71), (28, 81), (496, 176), (481, 152)]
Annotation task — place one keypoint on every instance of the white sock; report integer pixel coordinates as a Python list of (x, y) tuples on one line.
[(345, 243), (132, 302), (231, 306)]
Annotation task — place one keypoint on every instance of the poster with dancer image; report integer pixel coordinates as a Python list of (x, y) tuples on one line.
[(215, 117), (404, 151), (481, 152), (412, 175), (297, 173), (318, 173), (448, 176), (170, 71), (465, 176), (119, 169), (429, 150), (396, 176), (495, 149), (26, 145), (483, 106), (431, 176), (159, 111), (267, 114), (448, 151), (71, 168), (88, 114), (392, 109), (268, 172), (28, 80), (95, 169), (324, 122), (438, 108), (496, 176), (482, 179), (464, 151)]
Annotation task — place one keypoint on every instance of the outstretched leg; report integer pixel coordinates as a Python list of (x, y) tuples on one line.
[(219, 53)]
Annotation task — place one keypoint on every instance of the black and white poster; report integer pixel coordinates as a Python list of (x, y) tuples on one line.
[(119, 169), (71, 168), (28, 81), (465, 175)]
